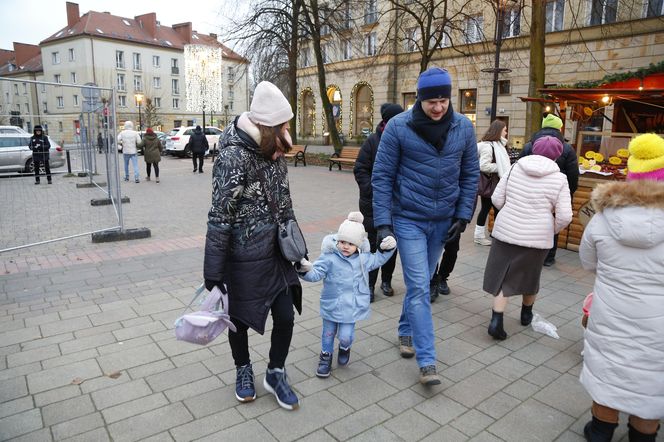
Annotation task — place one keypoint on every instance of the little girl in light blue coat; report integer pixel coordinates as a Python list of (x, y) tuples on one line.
[(344, 266)]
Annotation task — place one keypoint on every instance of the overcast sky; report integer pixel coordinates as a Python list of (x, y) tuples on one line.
[(30, 21)]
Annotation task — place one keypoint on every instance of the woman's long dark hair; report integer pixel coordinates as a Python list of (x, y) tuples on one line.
[(494, 131), (272, 140)]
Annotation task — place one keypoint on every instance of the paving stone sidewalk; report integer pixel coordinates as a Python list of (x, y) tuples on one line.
[(87, 351)]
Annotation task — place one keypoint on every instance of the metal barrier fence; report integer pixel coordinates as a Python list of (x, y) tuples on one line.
[(82, 131)]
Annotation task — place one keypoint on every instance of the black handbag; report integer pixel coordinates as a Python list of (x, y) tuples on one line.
[(488, 181), (289, 236)]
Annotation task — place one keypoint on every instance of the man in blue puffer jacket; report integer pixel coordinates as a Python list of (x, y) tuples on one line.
[(424, 188)]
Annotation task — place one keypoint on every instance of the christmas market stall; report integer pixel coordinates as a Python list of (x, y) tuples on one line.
[(608, 114)]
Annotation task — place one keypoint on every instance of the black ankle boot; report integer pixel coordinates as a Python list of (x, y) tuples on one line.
[(526, 314), (636, 436), (599, 431), (496, 326)]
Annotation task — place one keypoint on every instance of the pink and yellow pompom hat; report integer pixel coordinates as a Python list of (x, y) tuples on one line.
[(646, 158)]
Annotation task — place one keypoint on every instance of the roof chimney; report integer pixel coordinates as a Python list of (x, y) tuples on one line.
[(149, 23), (213, 35), (184, 31), (24, 52), (72, 14)]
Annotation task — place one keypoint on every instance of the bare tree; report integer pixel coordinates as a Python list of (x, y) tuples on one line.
[(537, 66)]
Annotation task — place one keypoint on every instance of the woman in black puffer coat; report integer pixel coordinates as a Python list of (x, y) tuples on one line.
[(362, 171), (241, 249)]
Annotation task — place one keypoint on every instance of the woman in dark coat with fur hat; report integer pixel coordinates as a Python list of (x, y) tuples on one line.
[(40, 146), (250, 176), (362, 171)]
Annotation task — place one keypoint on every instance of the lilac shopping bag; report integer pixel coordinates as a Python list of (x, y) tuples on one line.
[(203, 326)]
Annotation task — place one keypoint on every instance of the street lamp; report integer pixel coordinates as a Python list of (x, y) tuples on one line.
[(139, 98), (502, 4)]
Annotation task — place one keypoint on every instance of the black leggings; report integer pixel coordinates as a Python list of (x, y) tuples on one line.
[(283, 318), (484, 211), (387, 269), (200, 157), (156, 169), (47, 168)]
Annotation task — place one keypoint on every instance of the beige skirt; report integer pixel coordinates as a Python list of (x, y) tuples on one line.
[(512, 269)]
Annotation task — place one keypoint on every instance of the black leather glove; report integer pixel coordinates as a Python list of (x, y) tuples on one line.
[(455, 230), (209, 284), (383, 232)]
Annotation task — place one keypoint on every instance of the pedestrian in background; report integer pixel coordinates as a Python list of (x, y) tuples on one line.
[(567, 162), (424, 189), (527, 197), (151, 153), (344, 266), (198, 144), (623, 351), (362, 171), (250, 176), (128, 140), (40, 146), (100, 142)]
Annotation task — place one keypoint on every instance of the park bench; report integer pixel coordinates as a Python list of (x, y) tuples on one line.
[(298, 153), (347, 156)]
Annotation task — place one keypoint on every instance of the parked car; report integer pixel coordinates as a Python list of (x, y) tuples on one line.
[(15, 156), (160, 135), (12, 130), (178, 140)]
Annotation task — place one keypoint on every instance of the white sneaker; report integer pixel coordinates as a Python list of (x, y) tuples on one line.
[(482, 241), (479, 237)]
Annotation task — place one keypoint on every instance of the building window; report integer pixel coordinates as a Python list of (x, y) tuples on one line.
[(176, 103), (43, 87), (122, 100), (175, 70), (156, 82), (25, 88), (72, 54), (177, 123), (324, 29), (655, 8), (57, 78), (55, 57), (60, 126), (75, 100), (411, 40), (348, 50), (504, 87), (136, 58), (554, 15), (138, 83), (15, 89), (230, 73), (304, 57), (347, 18), (325, 50), (175, 85), (371, 13), (440, 38), (73, 77), (121, 82), (155, 61), (602, 12), (473, 27), (230, 106), (231, 93), (157, 102), (370, 44), (119, 60), (511, 23), (468, 101), (45, 106), (60, 102)]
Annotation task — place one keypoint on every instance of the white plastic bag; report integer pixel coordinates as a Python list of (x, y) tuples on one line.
[(541, 325)]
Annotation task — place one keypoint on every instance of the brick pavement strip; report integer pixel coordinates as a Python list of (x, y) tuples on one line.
[(80, 310)]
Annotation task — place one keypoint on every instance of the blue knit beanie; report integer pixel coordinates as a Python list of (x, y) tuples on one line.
[(434, 83)]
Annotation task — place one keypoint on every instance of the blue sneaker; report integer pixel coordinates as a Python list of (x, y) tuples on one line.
[(324, 365), (344, 356), (244, 384), (276, 382)]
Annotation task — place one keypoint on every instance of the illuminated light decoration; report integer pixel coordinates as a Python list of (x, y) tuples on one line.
[(332, 95), (312, 112), (202, 77), (353, 95), (606, 99)]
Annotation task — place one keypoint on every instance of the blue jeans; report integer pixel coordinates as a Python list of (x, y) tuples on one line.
[(134, 164), (420, 245), (344, 331)]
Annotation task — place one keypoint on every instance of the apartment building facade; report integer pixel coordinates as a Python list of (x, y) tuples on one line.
[(374, 57), (138, 57)]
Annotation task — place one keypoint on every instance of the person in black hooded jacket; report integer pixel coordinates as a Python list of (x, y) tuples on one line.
[(567, 162), (362, 171), (40, 146), (198, 144)]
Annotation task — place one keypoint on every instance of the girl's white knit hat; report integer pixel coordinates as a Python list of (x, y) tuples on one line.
[(269, 107), (352, 230)]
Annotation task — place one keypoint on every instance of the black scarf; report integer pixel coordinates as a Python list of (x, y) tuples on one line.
[(435, 132)]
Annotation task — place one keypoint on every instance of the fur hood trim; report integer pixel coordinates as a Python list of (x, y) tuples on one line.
[(641, 193)]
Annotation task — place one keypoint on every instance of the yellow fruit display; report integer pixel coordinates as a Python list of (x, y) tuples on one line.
[(599, 157), (623, 153), (585, 164), (615, 160), (590, 155), (596, 168)]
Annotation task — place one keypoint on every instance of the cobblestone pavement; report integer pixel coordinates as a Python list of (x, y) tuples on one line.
[(87, 350)]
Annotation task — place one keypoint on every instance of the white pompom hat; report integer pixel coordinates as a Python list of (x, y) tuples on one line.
[(269, 107), (352, 230)]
